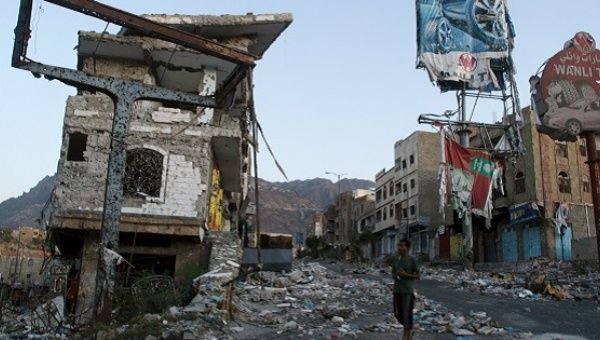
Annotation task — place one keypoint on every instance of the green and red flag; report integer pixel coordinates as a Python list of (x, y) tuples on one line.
[(470, 175)]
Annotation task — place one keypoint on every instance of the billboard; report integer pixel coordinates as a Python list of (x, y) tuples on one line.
[(464, 43), (567, 96), (523, 212)]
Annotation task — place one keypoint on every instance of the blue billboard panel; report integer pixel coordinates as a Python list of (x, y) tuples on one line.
[(523, 212), (464, 43)]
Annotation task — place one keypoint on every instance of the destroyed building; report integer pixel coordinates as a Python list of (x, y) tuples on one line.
[(187, 168)]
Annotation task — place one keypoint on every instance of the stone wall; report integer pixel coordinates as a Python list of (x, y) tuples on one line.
[(584, 249)]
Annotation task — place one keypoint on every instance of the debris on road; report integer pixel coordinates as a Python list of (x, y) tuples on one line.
[(315, 301), (538, 279)]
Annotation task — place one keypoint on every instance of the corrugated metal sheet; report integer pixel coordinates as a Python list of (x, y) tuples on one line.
[(532, 245), (563, 243), (509, 244)]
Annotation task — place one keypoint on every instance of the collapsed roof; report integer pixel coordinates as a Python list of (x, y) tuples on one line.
[(178, 66)]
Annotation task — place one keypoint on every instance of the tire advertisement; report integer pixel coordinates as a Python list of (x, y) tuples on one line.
[(464, 43), (567, 97)]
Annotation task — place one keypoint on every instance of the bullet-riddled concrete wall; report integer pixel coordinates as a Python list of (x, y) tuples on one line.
[(184, 146), (80, 184)]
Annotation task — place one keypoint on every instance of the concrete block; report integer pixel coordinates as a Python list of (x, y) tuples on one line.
[(85, 113)]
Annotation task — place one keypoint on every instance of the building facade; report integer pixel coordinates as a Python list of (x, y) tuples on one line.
[(551, 175), (317, 228), (386, 226), (417, 161), (364, 223), (407, 199)]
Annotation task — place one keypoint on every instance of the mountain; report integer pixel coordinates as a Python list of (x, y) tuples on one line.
[(25, 209), (285, 207), (322, 191), (289, 207)]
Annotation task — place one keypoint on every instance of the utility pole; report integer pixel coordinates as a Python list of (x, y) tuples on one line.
[(467, 224), (594, 164), (339, 191)]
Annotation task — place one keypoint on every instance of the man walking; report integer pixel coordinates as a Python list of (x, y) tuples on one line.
[(405, 270)]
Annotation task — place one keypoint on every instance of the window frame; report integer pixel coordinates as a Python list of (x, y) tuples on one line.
[(564, 183), (519, 182), (163, 175)]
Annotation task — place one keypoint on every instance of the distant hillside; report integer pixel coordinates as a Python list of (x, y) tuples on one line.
[(322, 191), (285, 207), (25, 209), (289, 207)]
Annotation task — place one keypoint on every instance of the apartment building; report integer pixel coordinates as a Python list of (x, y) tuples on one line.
[(550, 175), (386, 229), (417, 161)]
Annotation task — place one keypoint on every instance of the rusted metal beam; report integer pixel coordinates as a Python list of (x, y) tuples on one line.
[(152, 29), (111, 85), (22, 32)]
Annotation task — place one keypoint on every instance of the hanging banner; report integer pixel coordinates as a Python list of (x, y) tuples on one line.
[(470, 173), (567, 97), (464, 43)]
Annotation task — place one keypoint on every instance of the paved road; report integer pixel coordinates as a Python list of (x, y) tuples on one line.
[(576, 318), (567, 318), (580, 318)]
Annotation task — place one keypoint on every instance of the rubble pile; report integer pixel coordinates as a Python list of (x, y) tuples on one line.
[(310, 301), (313, 301), (310, 296), (432, 317), (538, 279), (46, 320), (435, 318)]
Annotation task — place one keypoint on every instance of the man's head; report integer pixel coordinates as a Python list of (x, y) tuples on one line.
[(403, 247)]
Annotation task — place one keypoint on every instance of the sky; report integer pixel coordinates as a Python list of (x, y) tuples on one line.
[(333, 93)]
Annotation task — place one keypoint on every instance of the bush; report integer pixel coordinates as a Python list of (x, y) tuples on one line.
[(315, 243)]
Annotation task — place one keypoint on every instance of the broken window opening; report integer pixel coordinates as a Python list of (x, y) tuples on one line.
[(398, 187), (143, 173), (77, 146), (586, 184), (563, 149), (519, 183), (582, 148), (564, 183)]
